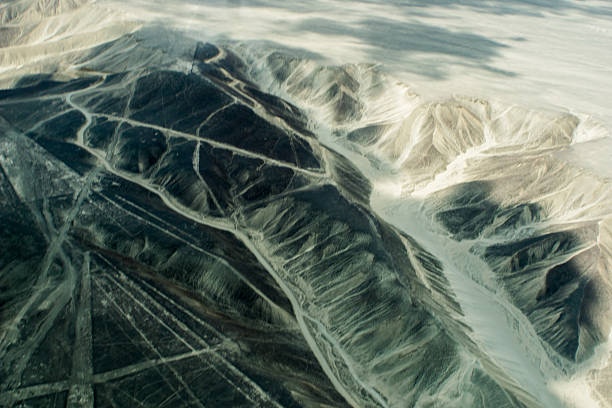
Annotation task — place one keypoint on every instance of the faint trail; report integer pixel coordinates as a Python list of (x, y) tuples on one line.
[(47, 119), (10, 101), (81, 392), (198, 249), (187, 312), (220, 145), (138, 367), (300, 316), (88, 119), (209, 117), (11, 396), (20, 357), (110, 152), (375, 395), (57, 297), (225, 226), (11, 332), (152, 347), (8, 398), (11, 192), (258, 107), (196, 169), (252, 391)]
